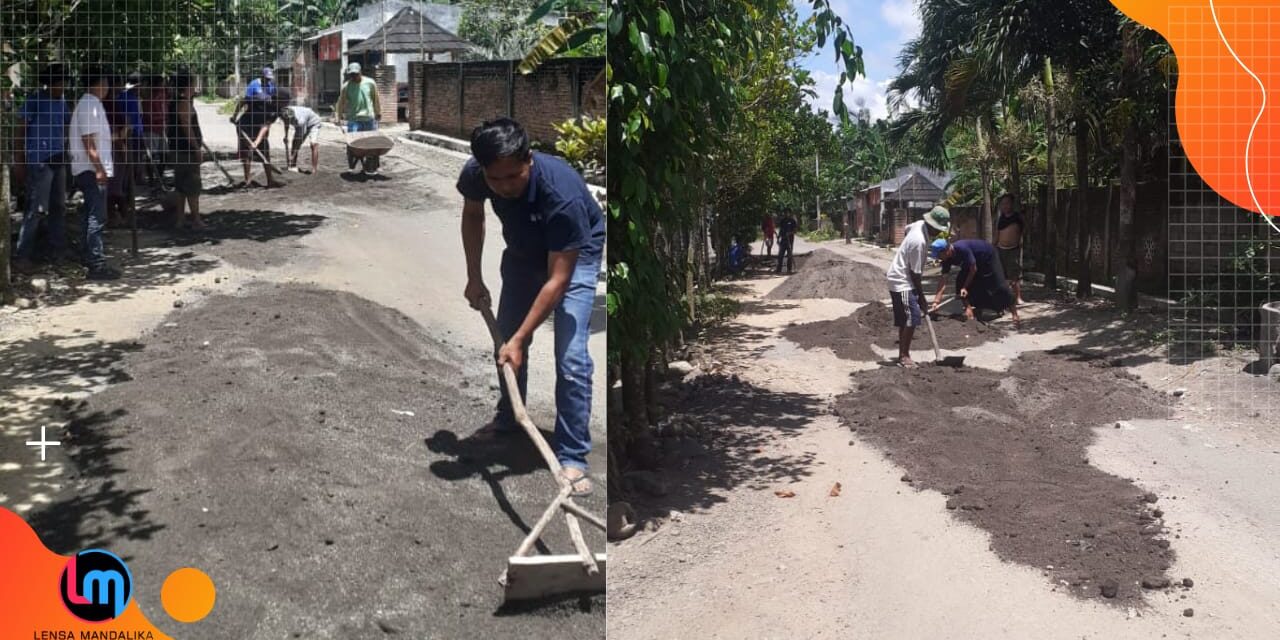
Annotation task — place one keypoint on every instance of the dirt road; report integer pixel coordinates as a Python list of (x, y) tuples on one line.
[(285, 401), (893, 557)]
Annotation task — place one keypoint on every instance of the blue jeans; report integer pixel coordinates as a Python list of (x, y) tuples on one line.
[(361, 125), (46, 203), (95, 219), (572, 326)]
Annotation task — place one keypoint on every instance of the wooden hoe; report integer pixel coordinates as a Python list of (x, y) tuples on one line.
[(533, 577)]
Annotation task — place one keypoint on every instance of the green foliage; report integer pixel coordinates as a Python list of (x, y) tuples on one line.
[(582, 142), (820, 235), (499, 27)]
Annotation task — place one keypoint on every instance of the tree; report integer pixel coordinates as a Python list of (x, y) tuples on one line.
[(672, 99)]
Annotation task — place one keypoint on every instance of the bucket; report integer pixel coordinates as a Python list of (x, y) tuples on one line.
[(1269, 348)]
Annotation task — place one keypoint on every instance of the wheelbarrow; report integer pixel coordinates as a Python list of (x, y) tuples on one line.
[(366, 149)]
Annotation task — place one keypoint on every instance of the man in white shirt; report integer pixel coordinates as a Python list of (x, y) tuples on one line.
[(92, 166), (905, 273), (306, 128)]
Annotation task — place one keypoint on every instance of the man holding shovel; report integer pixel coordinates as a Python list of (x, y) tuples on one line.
[(905, 273), (554, 232), (980, 282)]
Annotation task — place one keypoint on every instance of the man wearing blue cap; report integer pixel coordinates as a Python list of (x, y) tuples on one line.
[(905, 273), (980, 281)]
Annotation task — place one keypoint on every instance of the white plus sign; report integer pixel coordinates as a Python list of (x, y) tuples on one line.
[(42, 443)]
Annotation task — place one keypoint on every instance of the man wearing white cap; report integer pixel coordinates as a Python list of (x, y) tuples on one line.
[(358, 101), (905, 273)]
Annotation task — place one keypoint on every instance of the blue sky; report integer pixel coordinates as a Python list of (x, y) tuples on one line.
[(880, 27)]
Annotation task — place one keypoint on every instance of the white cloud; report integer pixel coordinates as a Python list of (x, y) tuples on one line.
[(901, 15), (872, 94)]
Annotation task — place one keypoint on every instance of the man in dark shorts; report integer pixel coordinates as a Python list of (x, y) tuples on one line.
[(787, 242), (905, 274), (259, 111), (185, 142), (1009, 229), (980, 280), (554, 232)]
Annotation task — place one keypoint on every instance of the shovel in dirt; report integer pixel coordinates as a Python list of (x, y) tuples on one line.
[(949, 361), (536, 577)]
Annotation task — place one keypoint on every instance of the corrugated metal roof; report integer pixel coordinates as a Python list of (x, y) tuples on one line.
[(410, 32)]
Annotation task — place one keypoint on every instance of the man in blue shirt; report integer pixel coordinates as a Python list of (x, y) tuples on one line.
[(980, 281), (554, 231), (43, 122), (263, 88)]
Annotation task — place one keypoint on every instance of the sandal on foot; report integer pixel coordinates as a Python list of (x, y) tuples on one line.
[(581, 485)]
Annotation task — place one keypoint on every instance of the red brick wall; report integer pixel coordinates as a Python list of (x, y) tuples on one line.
[(485, 84), (415, 95), (440, 110), (385, 77), (541, 99)]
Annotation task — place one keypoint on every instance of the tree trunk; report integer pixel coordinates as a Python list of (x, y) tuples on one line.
[(6, 284), (984, 218), (635, 410), (690, 266), (1084, 277), (1125, 267), (1051, 200)]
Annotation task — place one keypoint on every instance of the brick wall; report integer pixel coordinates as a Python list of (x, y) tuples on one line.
[(385, 77), (552, 94), (415, 95), (485, 85)]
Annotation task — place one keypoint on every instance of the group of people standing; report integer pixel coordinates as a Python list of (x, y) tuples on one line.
[(983, 280), (785, 230), (114, 137)]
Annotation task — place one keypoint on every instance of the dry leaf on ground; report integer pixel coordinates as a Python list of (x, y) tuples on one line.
[(835, 490), (785, 494)]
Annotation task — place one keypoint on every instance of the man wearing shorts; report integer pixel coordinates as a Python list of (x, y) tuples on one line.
[(259, 107), (306, 128), (905, 273), (1009, 229), (185, 142), (980, 280)]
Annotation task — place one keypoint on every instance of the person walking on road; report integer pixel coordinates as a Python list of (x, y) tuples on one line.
[(905, 274), (92, 166), (43, 128), (787, 242), (554, 232), (980, 281), (768, 230), (1009, 229)]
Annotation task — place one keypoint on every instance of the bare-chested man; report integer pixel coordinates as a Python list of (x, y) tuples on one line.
[(1009, 228)]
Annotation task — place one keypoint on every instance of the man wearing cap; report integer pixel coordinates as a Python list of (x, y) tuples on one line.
[(905, 273), (253, 117), (263, 87), (42, 128), (92, 166), (980, 280), (358, 101), (554, 232)]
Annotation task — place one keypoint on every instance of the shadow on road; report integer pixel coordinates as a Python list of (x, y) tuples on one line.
[(492, 461), (58, 366), (732, 423)]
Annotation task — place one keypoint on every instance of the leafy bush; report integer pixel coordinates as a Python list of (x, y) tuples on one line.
[(582, 142)]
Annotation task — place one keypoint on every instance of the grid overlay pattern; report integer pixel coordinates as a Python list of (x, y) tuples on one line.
[(1222, 258)]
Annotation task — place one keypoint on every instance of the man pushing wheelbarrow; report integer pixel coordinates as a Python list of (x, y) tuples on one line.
[(359, 106)]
